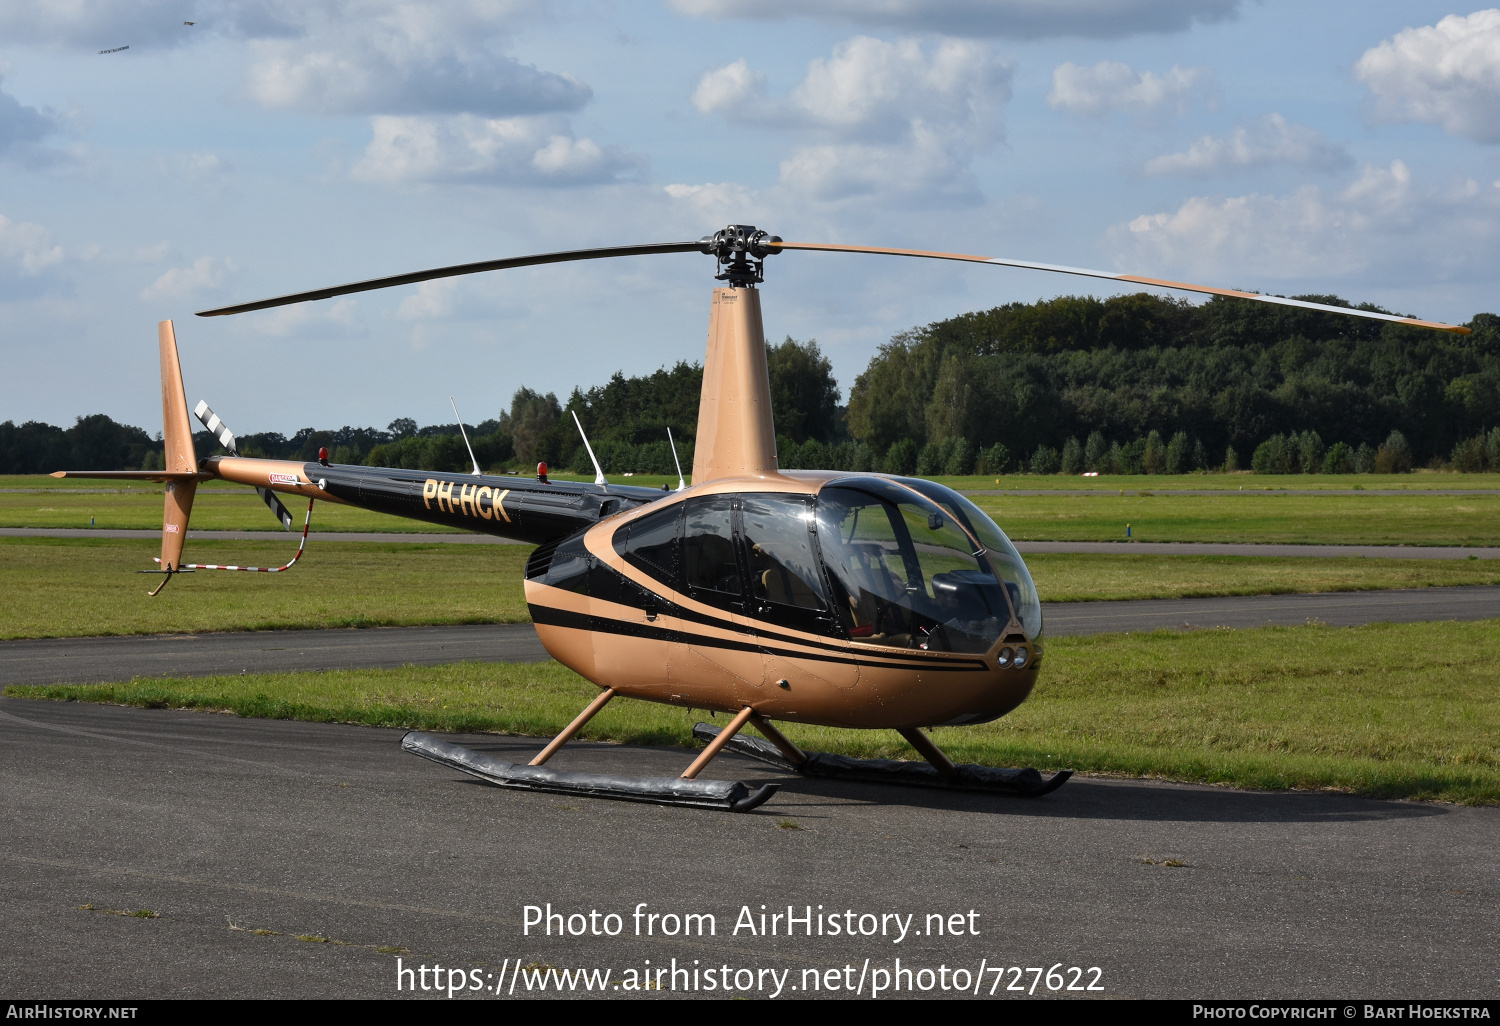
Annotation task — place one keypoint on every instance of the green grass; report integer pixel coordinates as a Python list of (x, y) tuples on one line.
[(56, 587), (216, 507), (1082, 577), (1251, 517), (1400, 711), (66, 587), (1418, 481), (1421, 479), (41, 501)]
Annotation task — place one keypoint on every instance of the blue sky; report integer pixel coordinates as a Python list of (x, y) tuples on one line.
[(1338, 147)]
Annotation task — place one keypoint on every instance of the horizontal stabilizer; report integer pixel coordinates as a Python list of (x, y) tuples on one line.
[(137, 475)]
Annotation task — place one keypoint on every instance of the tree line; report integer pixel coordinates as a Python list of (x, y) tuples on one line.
[(1127, 385)]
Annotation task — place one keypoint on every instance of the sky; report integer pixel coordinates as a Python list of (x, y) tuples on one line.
[(273, 146)]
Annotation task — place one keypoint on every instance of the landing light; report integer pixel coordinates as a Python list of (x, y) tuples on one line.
[(1004, 657), (1021, 658)]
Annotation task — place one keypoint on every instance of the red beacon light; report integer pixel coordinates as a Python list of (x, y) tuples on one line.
[(541, 472), (323, 455)]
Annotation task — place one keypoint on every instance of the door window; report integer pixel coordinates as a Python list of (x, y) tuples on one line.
[(786, 586), (710, 565), (650, 544)]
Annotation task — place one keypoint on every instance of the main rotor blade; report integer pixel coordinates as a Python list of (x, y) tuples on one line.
[(454, 271), (1132, 278)]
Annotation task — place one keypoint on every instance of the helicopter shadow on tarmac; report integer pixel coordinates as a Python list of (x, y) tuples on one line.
[(1095, 798)]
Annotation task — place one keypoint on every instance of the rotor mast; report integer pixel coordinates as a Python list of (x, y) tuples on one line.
[(736, 432)]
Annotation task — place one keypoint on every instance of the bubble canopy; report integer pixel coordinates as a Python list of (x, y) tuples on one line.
[(915, 570), (1002, 555)]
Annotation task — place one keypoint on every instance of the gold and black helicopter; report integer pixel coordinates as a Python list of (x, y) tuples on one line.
[(864, 601)]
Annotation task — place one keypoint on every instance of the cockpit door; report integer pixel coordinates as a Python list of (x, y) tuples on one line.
[(716, 651), (787, 596)]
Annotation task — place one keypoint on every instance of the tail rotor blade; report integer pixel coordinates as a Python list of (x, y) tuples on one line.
[(280, 511), (209, 419)]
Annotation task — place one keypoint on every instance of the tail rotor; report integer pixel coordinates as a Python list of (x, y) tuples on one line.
[(209, 419)]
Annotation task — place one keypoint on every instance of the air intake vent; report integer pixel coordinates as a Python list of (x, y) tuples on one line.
[(541, 560)]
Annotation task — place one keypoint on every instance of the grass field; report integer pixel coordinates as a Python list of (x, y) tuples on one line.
[(1251, 516), (1421, 480), (64, 587), (1418, 481), (1407, 710), (217, 507)]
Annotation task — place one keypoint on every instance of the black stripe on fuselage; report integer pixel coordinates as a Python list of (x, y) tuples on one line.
[(627, 592), (554, 617)]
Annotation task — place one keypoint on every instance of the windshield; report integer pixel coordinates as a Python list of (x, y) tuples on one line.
[(1002, 554), (903, 573)]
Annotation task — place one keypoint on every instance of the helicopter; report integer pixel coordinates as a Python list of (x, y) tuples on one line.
[(854, 600)]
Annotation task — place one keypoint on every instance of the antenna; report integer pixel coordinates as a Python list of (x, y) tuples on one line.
[(681, 484), (599, 478), (477, 471)]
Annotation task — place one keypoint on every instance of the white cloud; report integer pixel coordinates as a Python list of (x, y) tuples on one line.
[(926, 171), (22, 130), (1381, 224), (204, 165), (152, 254), (1110, 86), (329, 56), (733, 89), (201, 275), (95, 24), (27, 247), (878, 116), (432, 299), (1268, 140), (405, 57), (719, 202), (1025, 19), (521, 151), (341, 316), (873, 89), (1446, 74)]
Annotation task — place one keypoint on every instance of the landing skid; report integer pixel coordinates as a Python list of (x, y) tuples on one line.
[(726, 795), (1020, 783)]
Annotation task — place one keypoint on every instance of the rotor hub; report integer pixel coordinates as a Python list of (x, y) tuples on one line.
[(740, 251)]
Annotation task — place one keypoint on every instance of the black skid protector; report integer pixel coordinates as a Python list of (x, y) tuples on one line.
[(1020, 783), (728, 795)]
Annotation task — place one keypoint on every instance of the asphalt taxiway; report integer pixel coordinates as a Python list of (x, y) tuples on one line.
[(157, 853), (82, 660)]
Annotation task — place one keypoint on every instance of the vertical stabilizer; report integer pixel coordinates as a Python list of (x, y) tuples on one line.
[(177, 434), (736, 436)]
